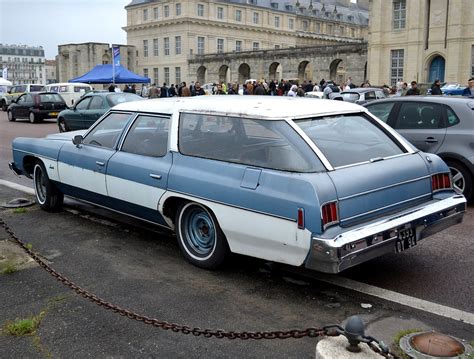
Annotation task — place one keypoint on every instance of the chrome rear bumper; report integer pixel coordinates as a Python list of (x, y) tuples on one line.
[(358, 245), (15, 169)]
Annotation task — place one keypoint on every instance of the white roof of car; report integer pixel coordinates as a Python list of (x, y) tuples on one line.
[(269, 107)]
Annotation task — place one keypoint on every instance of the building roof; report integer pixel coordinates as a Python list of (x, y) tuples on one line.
[(262, 107)]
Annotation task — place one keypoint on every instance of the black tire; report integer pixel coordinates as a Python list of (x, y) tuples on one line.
[(63, 127), (47, 195), (4, 106), (33, 118), (462, 178), (200, 238), (10, 116)]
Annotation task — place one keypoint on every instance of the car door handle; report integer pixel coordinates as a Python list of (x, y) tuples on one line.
[(158, 177), (100, 163), (431, 140)]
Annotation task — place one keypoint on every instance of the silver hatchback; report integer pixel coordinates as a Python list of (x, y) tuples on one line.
[(436, 124)]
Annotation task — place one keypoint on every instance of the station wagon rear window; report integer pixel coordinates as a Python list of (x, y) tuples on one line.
[(349, 139), (259, 143)]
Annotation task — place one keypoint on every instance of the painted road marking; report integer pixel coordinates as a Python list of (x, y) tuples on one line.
[(385, 294)]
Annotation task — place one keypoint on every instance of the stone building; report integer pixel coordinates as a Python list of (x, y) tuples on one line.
[(421, 40), (50, 70), (74, 60), (179, 40), (26, 64)]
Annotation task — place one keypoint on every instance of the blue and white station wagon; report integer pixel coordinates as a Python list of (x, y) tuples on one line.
[(325, 185)]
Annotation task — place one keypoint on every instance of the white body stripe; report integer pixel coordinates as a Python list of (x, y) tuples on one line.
[(81, 178), (257, 235), (133, 192), (51, 168)]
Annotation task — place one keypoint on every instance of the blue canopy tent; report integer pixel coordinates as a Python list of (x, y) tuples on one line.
[(104, 74)]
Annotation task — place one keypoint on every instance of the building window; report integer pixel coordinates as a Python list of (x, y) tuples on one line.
[(291, 24), (178, 9), (145, 14), (277, 21), (256, 46), (145, 48), (277, 47), (167, 75), (200, 49), (399, 14), (318, 28), (220, 13), (177, 47), (330, 29), (145, 72), (155, 47), (167, 45), (177, 73), (238, 15), (342, 31), (155, 75), (256, 18), (167, 10), (305, 25), (200, 10), (155, 13), (353, 32), (220, 46), (238, 46), (397, 64)]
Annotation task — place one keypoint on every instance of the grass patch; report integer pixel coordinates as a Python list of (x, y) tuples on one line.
[(29, 246), (396, 347), (20, 210), (9, 268), (24, 326)]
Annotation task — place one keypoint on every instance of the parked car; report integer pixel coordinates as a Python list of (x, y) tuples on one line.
[(277, 178), (90, 107), (18, 90), (70, 92), (452, 89), (314, 94), (36, 106), (362, 95), (441, 125)]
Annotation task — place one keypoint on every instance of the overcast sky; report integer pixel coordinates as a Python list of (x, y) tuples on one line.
[(50, 23)]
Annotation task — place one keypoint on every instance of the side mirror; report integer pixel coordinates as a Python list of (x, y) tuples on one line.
[(77, 140)]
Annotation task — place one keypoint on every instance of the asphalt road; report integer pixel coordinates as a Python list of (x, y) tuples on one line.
[(140, 268)]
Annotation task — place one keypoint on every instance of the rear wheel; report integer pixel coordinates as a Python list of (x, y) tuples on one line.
[(11, 117), (462, 179), (63, 127), (3, 104), (48, 196), (33, 118), (200, 238)]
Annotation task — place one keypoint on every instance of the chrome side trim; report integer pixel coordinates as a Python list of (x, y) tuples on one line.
[(36, 155), (370, 161), (384, 187)]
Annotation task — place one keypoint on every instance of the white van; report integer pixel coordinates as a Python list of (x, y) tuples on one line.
[(70, 92)]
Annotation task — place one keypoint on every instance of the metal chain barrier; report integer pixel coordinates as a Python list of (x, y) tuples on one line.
[(332, 330)]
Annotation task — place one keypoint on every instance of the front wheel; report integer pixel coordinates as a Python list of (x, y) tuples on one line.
[(63, 127), (3, 105), (48, 196), (462, 179), (11, 117), (200, 238), (32, 117)]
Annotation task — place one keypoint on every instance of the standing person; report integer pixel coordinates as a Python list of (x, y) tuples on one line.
[(331, 92), (436, 88), (414, 90), (153, 91), (172, 91), (469, 90), (185, 91), (133, 89), (292, 92), (259, 90), (198, 90), (403, 89), (112, 88), (192, 88), (164, 90), (300, 92)]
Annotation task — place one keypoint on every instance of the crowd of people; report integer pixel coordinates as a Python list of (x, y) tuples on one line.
[(329, 89)]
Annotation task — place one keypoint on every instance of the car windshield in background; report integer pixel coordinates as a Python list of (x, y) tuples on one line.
[(349, 139), (50, 97), (116, 98), (36, 88), (350, 96)]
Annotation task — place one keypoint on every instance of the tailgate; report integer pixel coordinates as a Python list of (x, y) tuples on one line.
[(369, 190)]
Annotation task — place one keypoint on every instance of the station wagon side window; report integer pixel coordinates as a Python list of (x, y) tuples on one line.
[(260, 143), (83, 104), (381, 110), (108, 131), (417, 115), (148, 136)]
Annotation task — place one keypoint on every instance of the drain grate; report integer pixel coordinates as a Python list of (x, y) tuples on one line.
[(18, 203)]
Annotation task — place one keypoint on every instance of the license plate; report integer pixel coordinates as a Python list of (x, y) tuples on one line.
[(53, 113), (406, 239)]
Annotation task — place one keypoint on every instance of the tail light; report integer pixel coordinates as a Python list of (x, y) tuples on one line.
[(441, 181), (329, 214), (300, 218)]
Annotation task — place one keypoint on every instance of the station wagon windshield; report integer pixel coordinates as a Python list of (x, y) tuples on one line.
[(349, 139)]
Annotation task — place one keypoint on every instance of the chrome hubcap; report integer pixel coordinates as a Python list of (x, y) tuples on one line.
[(459, 182), (40, 184)]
